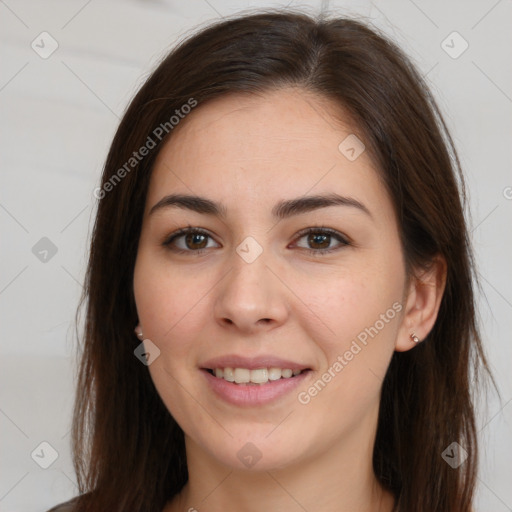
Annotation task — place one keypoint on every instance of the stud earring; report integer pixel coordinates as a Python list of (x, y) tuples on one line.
[(414, 338), (138, 332)]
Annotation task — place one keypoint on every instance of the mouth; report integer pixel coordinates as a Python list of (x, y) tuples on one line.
[(255, 377), (255, 387), (253, 381)]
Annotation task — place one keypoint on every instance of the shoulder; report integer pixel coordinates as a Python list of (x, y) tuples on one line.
[(68, 506)]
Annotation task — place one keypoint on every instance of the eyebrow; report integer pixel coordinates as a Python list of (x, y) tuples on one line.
[(281, 210)]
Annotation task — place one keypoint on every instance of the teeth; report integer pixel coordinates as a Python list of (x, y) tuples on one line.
[(242, 375), (259, 376), (274, 373), (228, 374)]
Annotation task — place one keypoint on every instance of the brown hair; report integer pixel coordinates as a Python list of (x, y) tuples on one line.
[(128, 450)]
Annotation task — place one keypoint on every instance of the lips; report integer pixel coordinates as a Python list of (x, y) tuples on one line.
[(249, 381), (253, 395), (253, 363)]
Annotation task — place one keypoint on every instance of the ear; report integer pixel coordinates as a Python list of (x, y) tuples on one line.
[(422, 300)]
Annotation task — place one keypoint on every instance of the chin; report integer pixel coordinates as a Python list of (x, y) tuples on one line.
[(256, 452)]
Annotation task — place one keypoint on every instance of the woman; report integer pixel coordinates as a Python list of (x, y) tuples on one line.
[(280, 313)]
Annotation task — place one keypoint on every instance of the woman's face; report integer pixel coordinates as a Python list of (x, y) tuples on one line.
[(253, 290)]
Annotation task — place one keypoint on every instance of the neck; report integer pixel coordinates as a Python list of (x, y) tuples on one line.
[(339, 480)]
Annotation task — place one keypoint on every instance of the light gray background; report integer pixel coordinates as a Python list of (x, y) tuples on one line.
[(58, 116)]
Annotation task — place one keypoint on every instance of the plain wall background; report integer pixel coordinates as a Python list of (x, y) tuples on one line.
[(58, 116)]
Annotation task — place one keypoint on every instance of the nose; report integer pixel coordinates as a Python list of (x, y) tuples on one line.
[(251, 298)]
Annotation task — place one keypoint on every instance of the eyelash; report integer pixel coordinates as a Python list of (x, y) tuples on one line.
[(313, 230)]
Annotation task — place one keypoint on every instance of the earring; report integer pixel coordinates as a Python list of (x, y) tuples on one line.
[(414, 338), (138, 332)]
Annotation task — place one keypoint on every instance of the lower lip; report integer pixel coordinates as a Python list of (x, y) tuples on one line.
[(253, 394)]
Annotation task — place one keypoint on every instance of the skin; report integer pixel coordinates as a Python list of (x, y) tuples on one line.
[(249, 152)]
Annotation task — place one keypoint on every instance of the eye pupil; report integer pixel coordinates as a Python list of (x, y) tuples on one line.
[(194, 239), (316, 239)]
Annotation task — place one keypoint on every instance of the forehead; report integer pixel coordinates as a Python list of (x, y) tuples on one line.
[(249, 151)]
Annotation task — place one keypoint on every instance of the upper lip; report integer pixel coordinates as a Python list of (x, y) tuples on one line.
[(252, 363)]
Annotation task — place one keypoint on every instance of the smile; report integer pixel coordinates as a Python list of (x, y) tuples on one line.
[(258, 376), (253, 394)]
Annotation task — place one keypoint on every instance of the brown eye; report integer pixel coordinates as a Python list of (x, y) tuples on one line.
[(196, 241), (191, 240), (319, 241)]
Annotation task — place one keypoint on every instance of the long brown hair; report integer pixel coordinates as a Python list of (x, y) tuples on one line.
[(128, 451)]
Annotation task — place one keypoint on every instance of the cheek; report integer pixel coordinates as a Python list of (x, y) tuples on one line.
[(359, 314), (356, 355), (348, 302), (168, 304), (163, 296)]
